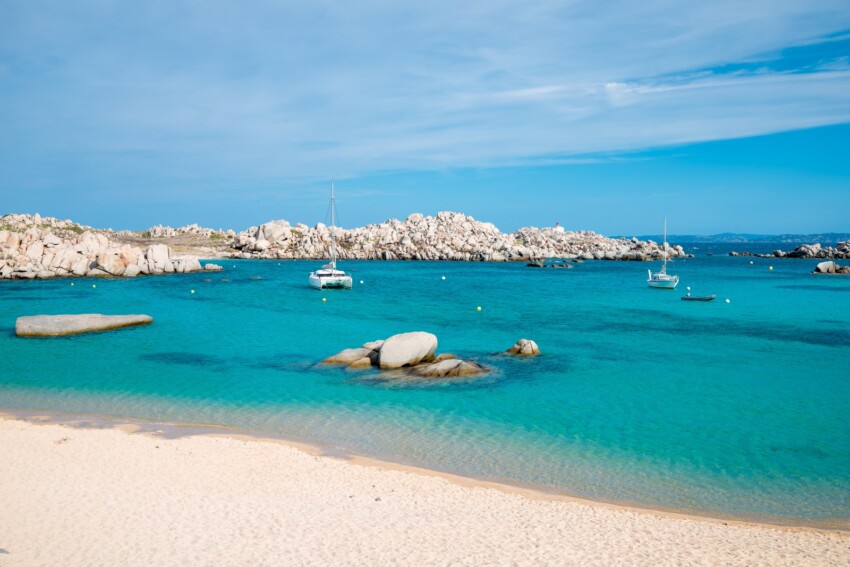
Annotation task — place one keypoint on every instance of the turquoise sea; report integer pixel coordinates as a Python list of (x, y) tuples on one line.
[(732, 409)]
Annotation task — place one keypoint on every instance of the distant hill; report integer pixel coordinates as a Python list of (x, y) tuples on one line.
[(827, 238)]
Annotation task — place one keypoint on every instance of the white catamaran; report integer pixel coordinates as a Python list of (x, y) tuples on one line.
[(663, 280), (328, 277)]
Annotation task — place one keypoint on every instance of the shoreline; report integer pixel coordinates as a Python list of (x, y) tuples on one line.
[(182, 430), (106, 496)]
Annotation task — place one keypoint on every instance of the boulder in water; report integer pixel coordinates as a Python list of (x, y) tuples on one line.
[(361, 364), (826, 267), (407, 349), (450, 367), (347, 356), (58, 325), (525, 347)]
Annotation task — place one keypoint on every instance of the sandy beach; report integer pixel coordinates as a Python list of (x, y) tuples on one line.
[(75, 496)]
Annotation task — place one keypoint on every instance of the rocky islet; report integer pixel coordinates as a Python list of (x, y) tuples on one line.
[(410, 354), (35, 247), (446, 236), (806, 251)]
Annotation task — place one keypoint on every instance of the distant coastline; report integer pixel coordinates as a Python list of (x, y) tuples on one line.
[(35, 247), (739, 238)]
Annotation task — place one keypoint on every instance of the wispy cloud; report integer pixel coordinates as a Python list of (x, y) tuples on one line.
[(218, 94)]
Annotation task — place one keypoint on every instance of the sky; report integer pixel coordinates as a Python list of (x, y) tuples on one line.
[(610, 116)]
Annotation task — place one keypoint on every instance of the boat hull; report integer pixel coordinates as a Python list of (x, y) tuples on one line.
[(699, 297), (663, 284), (330, 282)]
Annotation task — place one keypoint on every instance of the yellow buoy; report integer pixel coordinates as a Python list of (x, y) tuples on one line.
[(72, 283), (193, 291), (93, 286), (770, 268), (479, 308), (751, 262), (324, 299)]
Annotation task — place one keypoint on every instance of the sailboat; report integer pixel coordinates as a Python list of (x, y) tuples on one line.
[(328, 277), (663, 280)]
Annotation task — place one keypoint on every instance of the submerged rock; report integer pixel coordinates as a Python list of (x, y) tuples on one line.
[(58, 325), (448, 368)]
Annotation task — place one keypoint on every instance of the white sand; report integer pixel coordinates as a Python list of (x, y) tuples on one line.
[(72, 496)]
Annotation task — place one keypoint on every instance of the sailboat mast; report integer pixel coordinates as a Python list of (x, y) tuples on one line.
[(665, 245), (333, 232)]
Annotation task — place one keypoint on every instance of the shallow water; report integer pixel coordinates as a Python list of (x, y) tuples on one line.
[(721, 408)]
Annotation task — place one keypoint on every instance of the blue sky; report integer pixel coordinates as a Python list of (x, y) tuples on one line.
[(721, 116)]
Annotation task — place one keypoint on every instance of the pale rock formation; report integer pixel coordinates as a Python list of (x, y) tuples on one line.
[(159, 258), (48, 247), (57, 325), (131, 271), (448, 368), (831, 267), (411, 354), (524, 347), (447, 236), (361, 364), (110, 262), (348, 356), (160, 231), (841, 250), (407, 349)]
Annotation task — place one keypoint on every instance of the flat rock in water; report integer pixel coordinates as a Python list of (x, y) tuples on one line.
[(347, 356), (58, 325)]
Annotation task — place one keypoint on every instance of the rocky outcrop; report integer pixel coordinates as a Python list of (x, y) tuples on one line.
[(809, 251), (406, 354), (524, 347), (349, 356), (59, 325), (160, 231), (831, 267), (557, 264), (48, 247), (449, 368), (407, 349), (446, 236)]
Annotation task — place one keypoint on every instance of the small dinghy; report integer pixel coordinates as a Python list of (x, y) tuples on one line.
[(690, 297)]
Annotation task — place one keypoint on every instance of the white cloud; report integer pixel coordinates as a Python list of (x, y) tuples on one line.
[(212, 91)]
